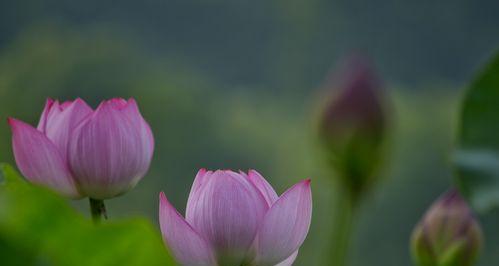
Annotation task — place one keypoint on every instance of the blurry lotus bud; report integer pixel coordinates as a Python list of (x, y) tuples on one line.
[(81, 152), (448, 234), (353, 124)]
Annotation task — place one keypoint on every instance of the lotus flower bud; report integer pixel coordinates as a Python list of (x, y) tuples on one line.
[(237, 219), (448, 234), (353, 124), (80, 152)]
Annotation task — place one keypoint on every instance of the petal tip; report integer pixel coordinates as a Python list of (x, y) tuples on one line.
[(49, 101), (201, 171), (10, 121), (80, 103), (118, 103), (162, 196), (79, 100), (14, 123), (252, 171)]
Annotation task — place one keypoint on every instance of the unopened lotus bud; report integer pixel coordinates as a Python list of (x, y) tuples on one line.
[(81, 152), (448, 234), (353, 125)]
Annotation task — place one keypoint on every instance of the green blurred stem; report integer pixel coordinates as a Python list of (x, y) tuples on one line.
[(342, 228), (98, 210)]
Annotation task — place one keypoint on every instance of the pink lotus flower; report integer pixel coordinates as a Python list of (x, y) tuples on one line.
[(81, 152), (237, 219)]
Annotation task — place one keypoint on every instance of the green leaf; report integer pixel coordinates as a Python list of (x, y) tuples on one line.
[(477, 158), (39, 227)]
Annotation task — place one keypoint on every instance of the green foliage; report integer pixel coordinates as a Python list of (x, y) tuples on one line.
[(477, 159), (37, 227)]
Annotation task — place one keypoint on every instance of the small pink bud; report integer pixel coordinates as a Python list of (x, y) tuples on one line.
[(448, 234), (85, 153)]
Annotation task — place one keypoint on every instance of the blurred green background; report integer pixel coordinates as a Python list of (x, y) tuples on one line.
[(237, 84)]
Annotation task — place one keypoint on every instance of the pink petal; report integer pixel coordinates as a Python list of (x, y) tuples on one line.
[(61, 121), (117, 103), (289, 261), (188, 247), (285, 225), (108, 154), (263, 186), (227, 211), (131, 110), (43, 119), (199, 180), (39, 159)]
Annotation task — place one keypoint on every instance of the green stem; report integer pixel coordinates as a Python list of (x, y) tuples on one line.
[(98, 210), (342, 228)]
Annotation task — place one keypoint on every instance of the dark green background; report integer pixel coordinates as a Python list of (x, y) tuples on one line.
[(237, 84)]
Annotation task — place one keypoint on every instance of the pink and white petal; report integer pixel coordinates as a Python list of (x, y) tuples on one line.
[(131, 110), (289, 261), (227, 211), (285, 225), (52, 109), (43, 118), (107, 155), (187, 246), (199, 180), (63, 120), (117, 103), (39, 160), (263, 186)]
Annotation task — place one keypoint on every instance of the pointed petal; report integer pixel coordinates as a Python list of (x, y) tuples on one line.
[(285, 225), (62, 120), (107, 154), (188, 247), (39, 159), (46, 110), (131, 110), (227, 211), (199, 180), (263, 186), (289, 261)]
